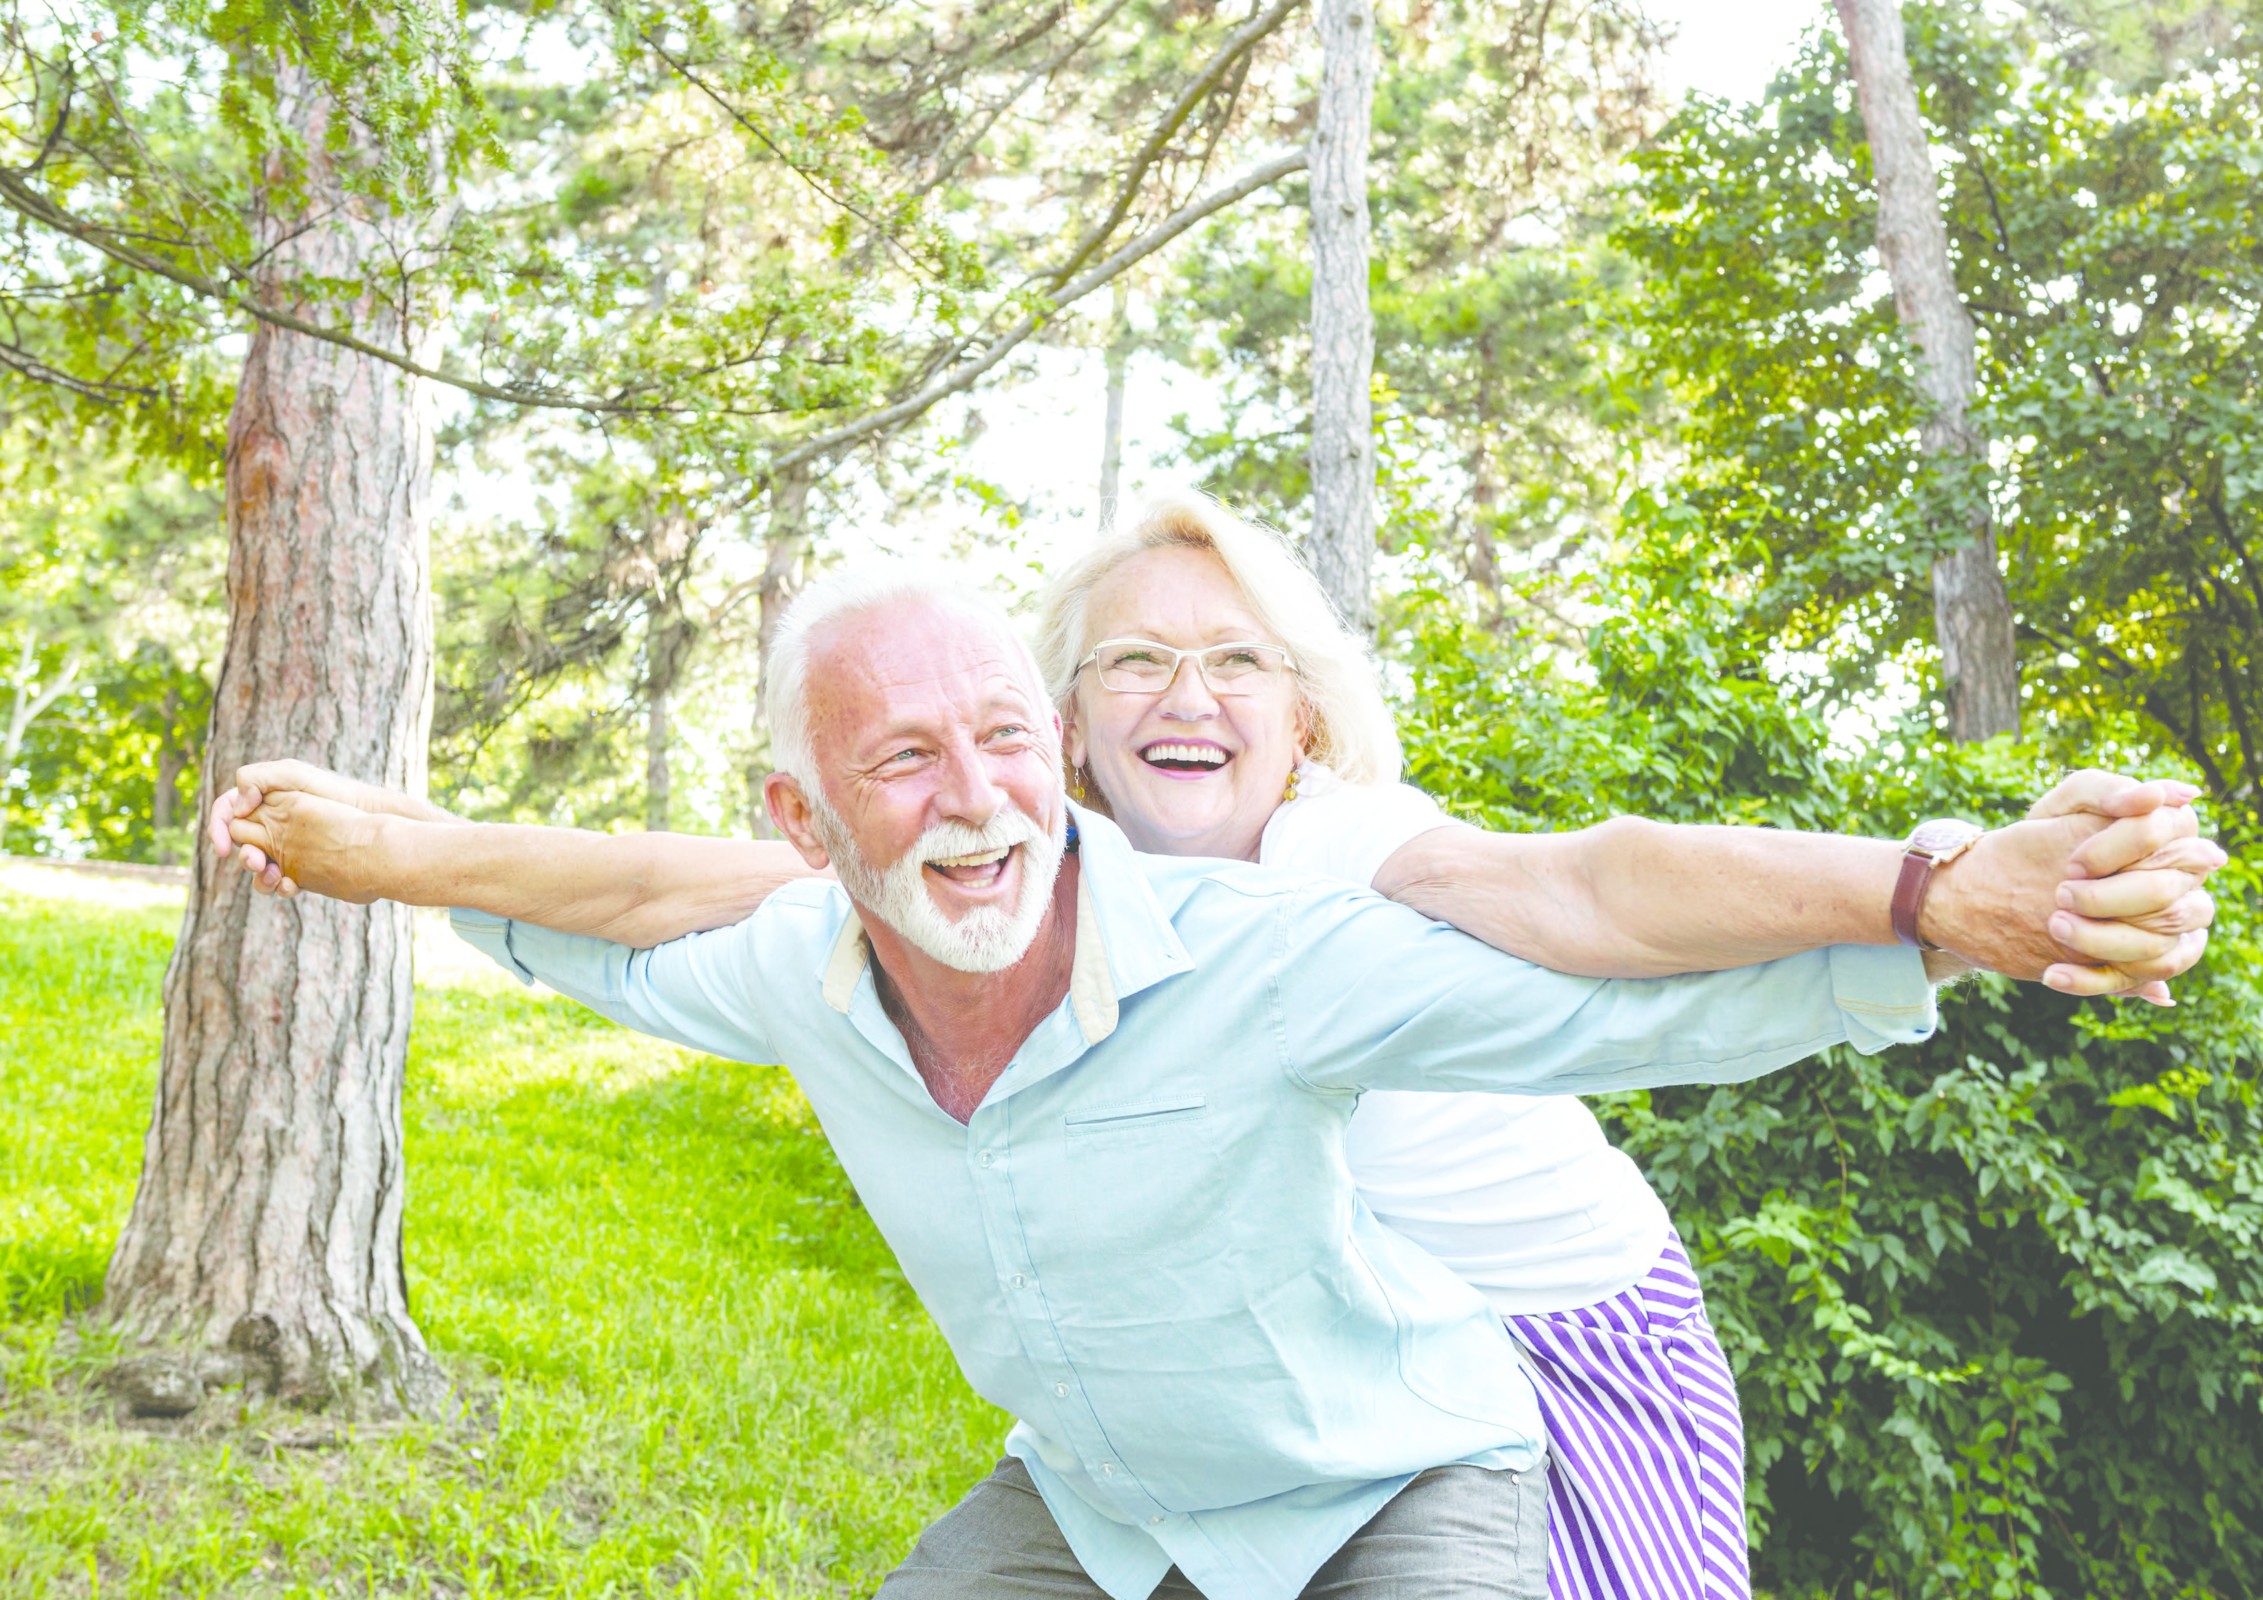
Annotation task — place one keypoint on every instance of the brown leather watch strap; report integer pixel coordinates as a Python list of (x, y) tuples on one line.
[(1909, 896), (1931, 845)]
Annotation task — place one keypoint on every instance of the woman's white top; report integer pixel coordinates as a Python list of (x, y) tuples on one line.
[(1520, 1195)]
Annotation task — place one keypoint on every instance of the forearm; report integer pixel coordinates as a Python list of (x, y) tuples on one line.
[(633, 889), (1636, 899)]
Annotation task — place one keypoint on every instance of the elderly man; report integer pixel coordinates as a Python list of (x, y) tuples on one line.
[(1096, 1103)]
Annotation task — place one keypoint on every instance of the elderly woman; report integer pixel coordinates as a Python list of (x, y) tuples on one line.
[(1212, 704)]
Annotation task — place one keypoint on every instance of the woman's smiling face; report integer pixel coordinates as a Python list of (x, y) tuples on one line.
[(1186, 771)]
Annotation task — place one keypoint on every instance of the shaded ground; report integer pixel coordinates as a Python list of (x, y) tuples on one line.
[(688, 1363)]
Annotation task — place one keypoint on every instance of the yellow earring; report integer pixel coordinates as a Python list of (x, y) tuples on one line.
[(1290, 793), (1076, 783)]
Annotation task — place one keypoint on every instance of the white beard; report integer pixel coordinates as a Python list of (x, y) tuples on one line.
[(987, 939)]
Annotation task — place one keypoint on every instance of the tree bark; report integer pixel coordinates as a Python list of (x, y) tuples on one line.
[(1972, 613), (269, 1210), (785, 544), (1112, 437), (1341, 546)]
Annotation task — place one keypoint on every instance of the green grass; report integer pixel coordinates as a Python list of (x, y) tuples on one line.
[(689, 1364)]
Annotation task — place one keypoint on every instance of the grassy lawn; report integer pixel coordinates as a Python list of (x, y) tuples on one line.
[(689, 1364)]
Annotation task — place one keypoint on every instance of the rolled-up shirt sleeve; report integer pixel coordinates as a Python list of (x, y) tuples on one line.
[(1373, 996), (701, 991)]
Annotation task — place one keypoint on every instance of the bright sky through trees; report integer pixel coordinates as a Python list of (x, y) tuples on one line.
[(1041, 439)]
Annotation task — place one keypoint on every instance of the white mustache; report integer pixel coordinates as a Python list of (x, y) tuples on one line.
[(947, 840)]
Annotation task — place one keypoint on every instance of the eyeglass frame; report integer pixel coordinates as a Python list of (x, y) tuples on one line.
[(1179, 659)]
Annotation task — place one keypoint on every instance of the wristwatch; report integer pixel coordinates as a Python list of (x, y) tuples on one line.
[(1933, 844)]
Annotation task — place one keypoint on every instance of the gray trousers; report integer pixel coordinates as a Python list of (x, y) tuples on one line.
[(1455, 1533)]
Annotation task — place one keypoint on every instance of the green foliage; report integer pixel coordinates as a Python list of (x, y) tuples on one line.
[(109, 625), (1996, 1303), (1491, 127), (759, 1407), (2110, 248)]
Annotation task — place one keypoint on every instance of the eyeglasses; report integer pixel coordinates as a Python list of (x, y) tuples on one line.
[(1141, 666)]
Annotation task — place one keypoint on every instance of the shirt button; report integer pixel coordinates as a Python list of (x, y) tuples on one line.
[(1020, 1282), (984, 1158), (1151, 1521), (1107, 1469), (1061, 1391)]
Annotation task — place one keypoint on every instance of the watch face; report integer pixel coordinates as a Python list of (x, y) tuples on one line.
[(1943, 836)]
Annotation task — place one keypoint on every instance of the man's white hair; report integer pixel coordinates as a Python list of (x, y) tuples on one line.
[(848, 592), (1352, 730)]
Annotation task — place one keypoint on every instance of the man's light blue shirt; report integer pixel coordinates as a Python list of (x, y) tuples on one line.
[(1145, 1244)]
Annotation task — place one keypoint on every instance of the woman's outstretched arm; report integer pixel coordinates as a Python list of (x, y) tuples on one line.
[(2100, 892), (286, 821)]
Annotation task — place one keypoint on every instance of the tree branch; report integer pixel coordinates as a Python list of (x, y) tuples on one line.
[(17, 359), (966, 373), (29, 203), (1240, 43), (801, 170), (956, 150)]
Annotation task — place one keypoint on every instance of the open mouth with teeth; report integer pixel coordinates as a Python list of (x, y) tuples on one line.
[(1176, 755), (977, 871)]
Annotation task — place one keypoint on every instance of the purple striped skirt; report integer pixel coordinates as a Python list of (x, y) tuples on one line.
[(1645, 1444)]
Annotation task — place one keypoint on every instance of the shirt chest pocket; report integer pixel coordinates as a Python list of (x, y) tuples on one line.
[(1145, 1186), (1176, 1114)]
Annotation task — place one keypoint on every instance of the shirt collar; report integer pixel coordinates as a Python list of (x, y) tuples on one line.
[(1124, 942)]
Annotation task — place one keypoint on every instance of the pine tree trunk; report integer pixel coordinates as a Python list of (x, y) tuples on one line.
[(1341, 547), (1112, 438), (785, 543), (1972, 614), (269, 1210)]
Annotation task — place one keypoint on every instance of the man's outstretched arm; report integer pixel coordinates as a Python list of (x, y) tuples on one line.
[(2122, 908), (299, 827)]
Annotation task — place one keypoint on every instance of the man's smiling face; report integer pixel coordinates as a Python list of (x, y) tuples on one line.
[(942, 806)]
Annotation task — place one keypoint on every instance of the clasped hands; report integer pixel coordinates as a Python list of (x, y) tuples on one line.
[(2100, 891)]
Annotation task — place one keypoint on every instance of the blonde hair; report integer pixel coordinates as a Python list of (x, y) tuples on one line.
[(1351, 730)]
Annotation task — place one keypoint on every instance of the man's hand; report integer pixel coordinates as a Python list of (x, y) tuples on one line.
[(265, 780), (2099, 892)]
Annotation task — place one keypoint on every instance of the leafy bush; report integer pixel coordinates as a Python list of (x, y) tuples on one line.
[(1996, 1302)]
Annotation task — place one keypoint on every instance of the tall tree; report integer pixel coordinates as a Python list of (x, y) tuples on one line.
[(2111, 244), (1972, 613), (269, 1210), (667, 641), (1340, 546), (1112, 427), (1493, 129), (785, 548)]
